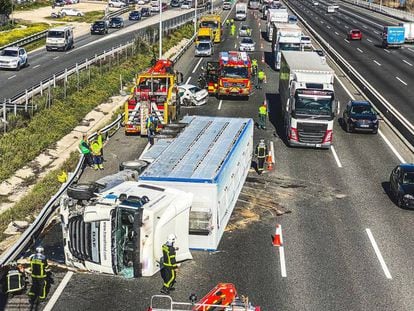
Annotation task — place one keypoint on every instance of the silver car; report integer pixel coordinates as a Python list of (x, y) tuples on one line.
[(13, 58), (204, 48), (247, 45), (245, 31)]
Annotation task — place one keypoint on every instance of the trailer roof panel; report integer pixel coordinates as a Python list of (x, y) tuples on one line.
[(199, 151), (310, 61)]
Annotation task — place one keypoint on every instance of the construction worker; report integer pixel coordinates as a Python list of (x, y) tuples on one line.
[(63, 177), (99, 139), (261, 77), (38, 266), (227, 23), (97, 156), (254, 66), (233, 29), (86, 150), (260, 153), (168, 265), (263, 113), (151, 126), (249, 32)]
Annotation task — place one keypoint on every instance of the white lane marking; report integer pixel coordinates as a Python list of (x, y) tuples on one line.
[(282, 256), (378, 253), (345, 88), (365, 27), (321, 22), (346, 27), (346, 17), (337, 33), (188, 80), (58, 291), (411, 50), (56, 57), (376, 62), (37, 66), (346, 40), (359, 50), (198, 64), (369, 40), (220, 102), (73, 50), (409, 64), (399, 79), (13, 76), (235, 45), (397, 154), (387, 51), (329, 27), (376, 32), (336, 157)]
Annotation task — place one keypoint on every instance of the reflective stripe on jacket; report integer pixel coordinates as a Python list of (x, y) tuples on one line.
[(168, 253)]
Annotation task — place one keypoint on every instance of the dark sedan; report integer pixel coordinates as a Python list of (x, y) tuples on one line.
[(116, 22), (402, 185), (360, 116), (99, 27), (134, 16), (145, 12), (59, 3)]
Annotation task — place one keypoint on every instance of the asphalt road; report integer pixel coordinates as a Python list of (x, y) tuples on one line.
[(330, 260), (43, 65), (390, 71)]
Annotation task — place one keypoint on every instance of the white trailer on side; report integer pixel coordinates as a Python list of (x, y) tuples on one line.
[(408, 32), (275, 16), (210, 158), (306, 88), (121, 229)]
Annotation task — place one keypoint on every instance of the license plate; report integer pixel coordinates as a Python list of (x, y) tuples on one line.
[(364, 125), (318, 145)]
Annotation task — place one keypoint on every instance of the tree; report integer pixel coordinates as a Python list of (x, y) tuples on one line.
[(6, 7)]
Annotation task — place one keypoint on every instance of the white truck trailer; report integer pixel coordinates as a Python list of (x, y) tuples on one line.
[(121, 229), (286, 37), (210, 158), (241, 12), (306, 88), (408, 32), (275, 16)]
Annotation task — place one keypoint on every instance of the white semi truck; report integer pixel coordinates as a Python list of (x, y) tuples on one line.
[(286, 37), (306, 88), (118, 224), (275, 16), (408, 31)]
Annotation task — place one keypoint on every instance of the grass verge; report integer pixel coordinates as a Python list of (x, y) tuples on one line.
[(89, 17), (15, 34), (32, 5)]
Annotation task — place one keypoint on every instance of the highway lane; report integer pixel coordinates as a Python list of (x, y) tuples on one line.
[(392, 78), (331, 264), (44, 65)]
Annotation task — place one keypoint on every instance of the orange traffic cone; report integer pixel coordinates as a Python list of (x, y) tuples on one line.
[(277, 241), (269, 162)]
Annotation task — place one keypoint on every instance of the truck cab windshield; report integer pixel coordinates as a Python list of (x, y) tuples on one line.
[(310, 105), (289, 46), (124, 239), (209, 24), (235, 72)]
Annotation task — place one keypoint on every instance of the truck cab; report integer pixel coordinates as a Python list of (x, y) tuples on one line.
[(204, 34)]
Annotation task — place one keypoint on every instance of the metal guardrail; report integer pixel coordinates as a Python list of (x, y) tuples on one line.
[(407, 16), (36, 227), (388, 111), (42, 34)]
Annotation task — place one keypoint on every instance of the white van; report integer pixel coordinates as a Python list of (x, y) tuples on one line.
[(60, 38), (241, 12)]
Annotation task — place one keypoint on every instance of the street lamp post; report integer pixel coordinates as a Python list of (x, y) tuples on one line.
[(195, 18), (160, 34)]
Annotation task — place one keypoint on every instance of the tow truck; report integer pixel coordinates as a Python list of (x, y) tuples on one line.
[(155, 91), (223, 297), (230, 76)]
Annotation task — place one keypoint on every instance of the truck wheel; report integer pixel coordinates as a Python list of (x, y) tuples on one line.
[(136, 165), (82, 191), (186, 102)]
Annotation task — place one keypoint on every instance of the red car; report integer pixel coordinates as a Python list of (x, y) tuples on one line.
[(355, 34)]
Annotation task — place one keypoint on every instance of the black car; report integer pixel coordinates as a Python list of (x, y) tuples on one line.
[(175, 3), (134, 16), (59, 3), (145, 12), (99, 27), (402, 185), (116, 22), (359, 115)]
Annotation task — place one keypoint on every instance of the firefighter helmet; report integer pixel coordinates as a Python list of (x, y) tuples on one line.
[(171, 239), (40, 250)]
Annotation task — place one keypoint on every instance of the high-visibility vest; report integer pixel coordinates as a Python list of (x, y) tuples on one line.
[(254, 62), (38, 267), (99, 139), (168, 253), (96, 148), (261, 75), (262, 110)]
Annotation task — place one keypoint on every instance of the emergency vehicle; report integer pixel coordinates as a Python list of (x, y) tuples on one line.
[(234, 72), (214, 22), (222, 297), (155, 91)]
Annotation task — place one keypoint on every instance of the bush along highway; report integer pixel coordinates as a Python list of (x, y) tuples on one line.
[(61, 108)]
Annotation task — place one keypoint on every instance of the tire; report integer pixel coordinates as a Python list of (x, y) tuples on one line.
[(82, 191), (18, 66), (79, 15), (63, 14), (111, 5), (399, 201), (375, 131), (186, 102), (136, 165), (348, 127)]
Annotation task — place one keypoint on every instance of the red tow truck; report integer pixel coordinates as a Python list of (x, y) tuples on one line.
[(223, 297)]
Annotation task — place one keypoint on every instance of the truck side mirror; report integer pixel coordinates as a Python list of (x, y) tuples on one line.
[(337, 108)]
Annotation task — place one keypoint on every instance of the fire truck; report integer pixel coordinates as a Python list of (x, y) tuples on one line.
[(155, 91), (223, 297), (230, 76)]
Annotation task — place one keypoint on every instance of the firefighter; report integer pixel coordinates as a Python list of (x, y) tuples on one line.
[(263, 113), (254, 66), (86, 150), (261, 77), (151, 126), (97, 155), (38, 266), (169, 265), (260, 153), (233, 29)]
